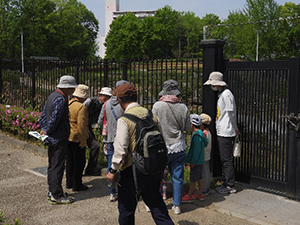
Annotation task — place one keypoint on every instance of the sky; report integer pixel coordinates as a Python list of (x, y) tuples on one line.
[(220, 8)]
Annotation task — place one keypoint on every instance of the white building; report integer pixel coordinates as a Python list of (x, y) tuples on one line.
[(111, 13)]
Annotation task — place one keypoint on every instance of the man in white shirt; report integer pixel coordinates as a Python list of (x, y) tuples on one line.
[(226, 127)]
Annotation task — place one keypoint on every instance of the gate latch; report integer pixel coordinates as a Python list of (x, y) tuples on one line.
[(294, 121)]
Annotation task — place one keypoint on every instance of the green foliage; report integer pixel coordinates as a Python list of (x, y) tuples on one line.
[(172, 34), (123, 39), (62, 28), (4, 221), (18, 121)]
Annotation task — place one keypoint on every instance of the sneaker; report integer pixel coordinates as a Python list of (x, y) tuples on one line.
[(225, 189), (62, 200), (147, 208), (49, 195), (206, 193), (187, 199), (113, 197), (199, 197), (176, 209)]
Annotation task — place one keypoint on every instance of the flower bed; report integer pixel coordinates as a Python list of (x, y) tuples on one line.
[(18, 121)]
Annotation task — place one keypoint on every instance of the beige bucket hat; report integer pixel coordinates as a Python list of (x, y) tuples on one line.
[(82, 91), (215, 79)]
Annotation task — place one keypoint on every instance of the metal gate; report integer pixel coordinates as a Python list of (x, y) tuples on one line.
[(267, 98)]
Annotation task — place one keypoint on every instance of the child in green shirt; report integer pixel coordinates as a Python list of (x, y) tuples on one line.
[(195, 158)]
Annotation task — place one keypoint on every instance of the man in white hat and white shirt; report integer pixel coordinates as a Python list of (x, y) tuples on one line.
[(54, 122), (226, 127), (94, 105)]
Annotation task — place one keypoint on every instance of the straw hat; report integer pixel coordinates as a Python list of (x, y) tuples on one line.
[(82, 91)]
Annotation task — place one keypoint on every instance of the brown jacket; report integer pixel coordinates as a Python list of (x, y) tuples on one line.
[(79, 118)]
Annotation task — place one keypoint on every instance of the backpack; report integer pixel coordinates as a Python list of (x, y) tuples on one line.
[(150, 155)]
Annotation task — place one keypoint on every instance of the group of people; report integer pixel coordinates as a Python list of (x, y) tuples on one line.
[(68, 125)]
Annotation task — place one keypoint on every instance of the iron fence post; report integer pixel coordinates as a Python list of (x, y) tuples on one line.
[(212, 61), (293, 148), (1, 81), (124, 69), (77, 71), (105, 69), (33, 83)]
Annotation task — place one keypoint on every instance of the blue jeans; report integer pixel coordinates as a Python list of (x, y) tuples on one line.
[(110, 153), (176, 169)]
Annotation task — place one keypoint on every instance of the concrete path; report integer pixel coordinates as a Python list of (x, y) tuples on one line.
[(23, 189)]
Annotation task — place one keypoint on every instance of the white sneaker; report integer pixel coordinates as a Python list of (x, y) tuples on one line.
[(176, 209), (113, 197), (147, 208)]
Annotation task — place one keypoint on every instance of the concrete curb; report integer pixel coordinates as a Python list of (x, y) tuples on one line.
[(24, 145)]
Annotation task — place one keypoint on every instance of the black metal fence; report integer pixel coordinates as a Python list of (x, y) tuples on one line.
[(262, 95), (40, 77)]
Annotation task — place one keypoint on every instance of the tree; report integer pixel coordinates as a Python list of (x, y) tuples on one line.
[(192, 36), (124, 38), (73, 31), (238, 35), (50, 28), (263, 10), (289, 31), (164, 29)]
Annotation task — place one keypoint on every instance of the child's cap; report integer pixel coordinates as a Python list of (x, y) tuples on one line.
[(195, 119), (206, 119)]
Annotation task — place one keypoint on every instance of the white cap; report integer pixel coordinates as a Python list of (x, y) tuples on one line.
[(106, 91)]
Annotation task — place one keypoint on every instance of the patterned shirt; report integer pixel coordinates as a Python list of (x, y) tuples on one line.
[(51, 124)]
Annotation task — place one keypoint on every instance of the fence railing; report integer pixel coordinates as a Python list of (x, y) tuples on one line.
[(262, 90), (40, 77)]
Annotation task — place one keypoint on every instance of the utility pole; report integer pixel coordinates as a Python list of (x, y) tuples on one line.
[(22, 52), (257, 41)]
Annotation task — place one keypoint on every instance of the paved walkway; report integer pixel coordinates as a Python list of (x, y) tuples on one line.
[(23, 189)]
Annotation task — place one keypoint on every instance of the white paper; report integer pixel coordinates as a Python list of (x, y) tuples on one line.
[(37, 135)]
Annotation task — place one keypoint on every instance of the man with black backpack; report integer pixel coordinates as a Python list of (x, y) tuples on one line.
[(134, 153)]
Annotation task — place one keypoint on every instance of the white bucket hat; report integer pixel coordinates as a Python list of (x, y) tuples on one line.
[(67, 81), (215, 79), (106, 91), (82, 91)]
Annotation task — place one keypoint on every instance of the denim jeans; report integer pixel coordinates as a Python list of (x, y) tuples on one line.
[(110, 153), (176, 169)]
